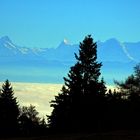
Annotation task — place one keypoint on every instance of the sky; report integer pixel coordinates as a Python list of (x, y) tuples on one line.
[(45, 23)]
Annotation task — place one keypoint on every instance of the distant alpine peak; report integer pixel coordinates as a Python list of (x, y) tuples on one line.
[(65, 41), (63, 44), (112, 40), (5, 39)]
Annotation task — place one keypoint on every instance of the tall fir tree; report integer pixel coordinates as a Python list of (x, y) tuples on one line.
[(9, 110), (75, 107)]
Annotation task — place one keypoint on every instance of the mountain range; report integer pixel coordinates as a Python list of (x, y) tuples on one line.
[(26, 64)]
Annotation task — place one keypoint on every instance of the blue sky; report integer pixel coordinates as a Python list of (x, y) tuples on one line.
[(45, 23)]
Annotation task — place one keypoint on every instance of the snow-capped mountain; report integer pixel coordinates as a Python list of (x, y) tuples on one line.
[(51, 64), (134, 50), (7, 48), (110, 50)]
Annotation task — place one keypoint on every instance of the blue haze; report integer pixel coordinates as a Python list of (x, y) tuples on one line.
[(50, 65)]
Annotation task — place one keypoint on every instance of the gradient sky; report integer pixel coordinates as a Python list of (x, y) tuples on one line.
[(45, 23)]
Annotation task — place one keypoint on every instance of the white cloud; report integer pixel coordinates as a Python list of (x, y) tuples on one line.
[(36, 94)]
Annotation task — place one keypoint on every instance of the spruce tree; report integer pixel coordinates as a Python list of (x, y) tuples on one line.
[(9, 110), (75, 107)]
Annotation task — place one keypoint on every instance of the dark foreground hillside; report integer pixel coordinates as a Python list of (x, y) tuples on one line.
[(117, 135)]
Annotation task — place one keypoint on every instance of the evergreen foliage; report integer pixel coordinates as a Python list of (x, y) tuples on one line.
[(29, 121), (130, 93), (130, 88), (77, 106), (9, 110), (83, 105)]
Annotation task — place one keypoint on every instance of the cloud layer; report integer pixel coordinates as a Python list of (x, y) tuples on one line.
[(36, 94)]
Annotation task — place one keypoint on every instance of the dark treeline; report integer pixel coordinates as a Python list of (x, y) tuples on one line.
[(83, 105), (16, 120)]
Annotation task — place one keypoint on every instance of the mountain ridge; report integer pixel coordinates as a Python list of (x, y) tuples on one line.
[(52, 64), (110, 50)]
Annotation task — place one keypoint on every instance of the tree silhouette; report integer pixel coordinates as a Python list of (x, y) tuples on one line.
[(9, 110), (29, 121), (30, 112), (79, 104), (130, 92), (130, 88)]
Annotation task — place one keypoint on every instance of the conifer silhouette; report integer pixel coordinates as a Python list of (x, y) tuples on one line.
[(9, 110), (78, 103)]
